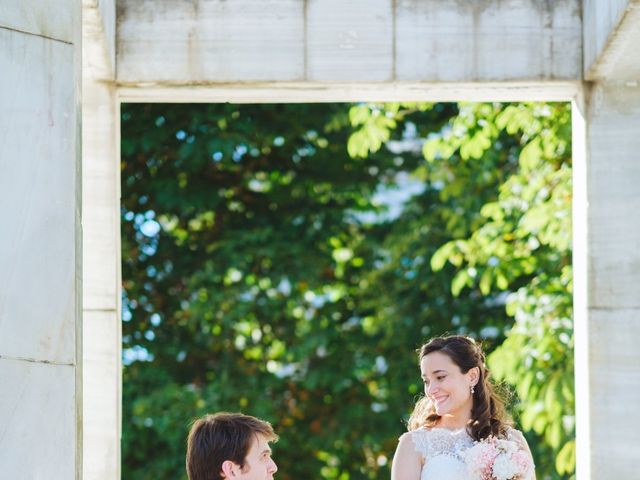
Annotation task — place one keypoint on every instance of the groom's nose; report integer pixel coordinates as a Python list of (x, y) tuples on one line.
[(273, 468)]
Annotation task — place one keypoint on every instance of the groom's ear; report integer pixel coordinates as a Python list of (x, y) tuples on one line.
[(228, 470)]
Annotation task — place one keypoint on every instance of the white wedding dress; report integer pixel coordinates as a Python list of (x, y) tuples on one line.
[(441, 450)]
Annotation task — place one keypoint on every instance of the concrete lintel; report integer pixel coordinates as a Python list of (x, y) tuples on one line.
[(302, 92), (207, 41)]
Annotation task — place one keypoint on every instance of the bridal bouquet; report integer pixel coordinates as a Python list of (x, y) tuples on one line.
[(497, 459)]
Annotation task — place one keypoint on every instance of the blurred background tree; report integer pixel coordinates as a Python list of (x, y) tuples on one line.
[(287, 260)]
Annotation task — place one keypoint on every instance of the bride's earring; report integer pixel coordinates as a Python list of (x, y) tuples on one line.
[(473, 389)]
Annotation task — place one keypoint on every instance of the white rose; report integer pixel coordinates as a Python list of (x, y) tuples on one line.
[(504, 468)]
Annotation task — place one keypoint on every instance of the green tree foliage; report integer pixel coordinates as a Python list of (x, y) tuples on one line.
[(243, 257), (266, 270), (518, 245)]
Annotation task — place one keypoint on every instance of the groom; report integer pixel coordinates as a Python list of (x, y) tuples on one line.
[(230, 446)]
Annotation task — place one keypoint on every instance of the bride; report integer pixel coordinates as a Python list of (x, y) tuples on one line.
[(460, 407)]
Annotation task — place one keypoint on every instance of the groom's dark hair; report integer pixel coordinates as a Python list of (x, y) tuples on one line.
[(213, 439)]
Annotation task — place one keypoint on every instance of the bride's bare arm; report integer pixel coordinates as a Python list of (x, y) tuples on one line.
[(407, 462)]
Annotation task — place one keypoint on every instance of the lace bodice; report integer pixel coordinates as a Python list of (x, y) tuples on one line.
[(441, 450)]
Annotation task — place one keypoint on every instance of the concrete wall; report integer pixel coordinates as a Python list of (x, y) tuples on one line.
[(215, 41), (284, 50), (449, 50), (40, 248)]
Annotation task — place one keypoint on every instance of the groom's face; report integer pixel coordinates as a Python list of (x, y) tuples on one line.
[(258, 465)]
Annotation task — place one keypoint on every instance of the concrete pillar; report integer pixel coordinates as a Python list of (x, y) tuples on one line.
[(40, 244), (101, 246), (101, 277), (607, 280)]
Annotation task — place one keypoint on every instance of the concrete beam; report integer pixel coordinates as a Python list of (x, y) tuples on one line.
[(107, 10), (98, 42), (611, 39), (205, 42)]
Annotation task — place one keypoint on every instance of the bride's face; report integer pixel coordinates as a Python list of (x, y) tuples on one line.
[(446, 385)]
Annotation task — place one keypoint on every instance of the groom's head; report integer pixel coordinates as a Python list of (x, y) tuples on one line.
[(230, 446)]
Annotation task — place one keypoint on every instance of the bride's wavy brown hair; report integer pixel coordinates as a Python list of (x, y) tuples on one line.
[(487, 413)]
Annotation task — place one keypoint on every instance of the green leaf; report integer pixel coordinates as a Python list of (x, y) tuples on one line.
[(501, 280), (430, 149), (566, 458), (441, 256), (531, 155), (359, 115), (554, 434), (358, 145), (461, 280), (485, 281)]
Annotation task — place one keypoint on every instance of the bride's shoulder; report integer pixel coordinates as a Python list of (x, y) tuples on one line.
[(408, 458), (427, 430), (419, 431), (516, 435), (414, 435), (414, 440), (419, 435), (411, 442)]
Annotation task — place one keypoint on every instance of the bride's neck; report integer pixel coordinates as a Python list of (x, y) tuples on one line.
[(454, 422)]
